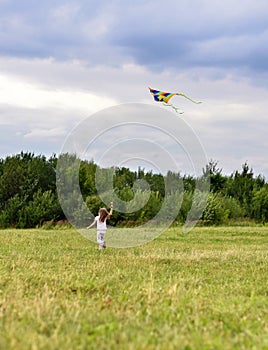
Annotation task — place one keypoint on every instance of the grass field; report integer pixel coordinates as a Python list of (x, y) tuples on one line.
[(205, 290)]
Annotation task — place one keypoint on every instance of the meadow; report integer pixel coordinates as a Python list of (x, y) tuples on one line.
[(204, 290)]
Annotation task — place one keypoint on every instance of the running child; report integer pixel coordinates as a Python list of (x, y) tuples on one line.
[(100, 220)]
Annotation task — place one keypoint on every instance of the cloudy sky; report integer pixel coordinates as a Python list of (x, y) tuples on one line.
[(62, 61)]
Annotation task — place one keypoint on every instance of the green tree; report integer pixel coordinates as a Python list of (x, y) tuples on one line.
[(10, 215), (233, 207), (215, 213), (214, 174), (241, 185), (260, 204), (43, 207), (12, 178), (87, 174)]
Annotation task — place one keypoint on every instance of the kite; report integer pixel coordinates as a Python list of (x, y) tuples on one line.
[(164, 97)]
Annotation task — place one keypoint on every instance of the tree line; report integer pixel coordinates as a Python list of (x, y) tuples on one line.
[(29, 193)]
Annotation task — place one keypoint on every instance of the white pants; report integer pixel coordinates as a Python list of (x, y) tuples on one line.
[(100, 238)]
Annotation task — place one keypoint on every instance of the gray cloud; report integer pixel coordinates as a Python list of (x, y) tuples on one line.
[(200, 33)]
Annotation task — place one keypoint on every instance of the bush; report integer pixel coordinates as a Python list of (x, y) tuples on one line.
[(215, 213), (233, 207)]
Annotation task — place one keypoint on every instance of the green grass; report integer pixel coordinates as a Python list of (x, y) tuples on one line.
[(205, 290)]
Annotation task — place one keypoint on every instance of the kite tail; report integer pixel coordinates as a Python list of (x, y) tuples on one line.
[(172, 106), (188, 98)]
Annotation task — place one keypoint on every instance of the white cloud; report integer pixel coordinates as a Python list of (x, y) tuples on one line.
[(45, 133), (16, 92)]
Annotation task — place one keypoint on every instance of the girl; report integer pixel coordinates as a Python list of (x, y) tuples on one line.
[(100, 220)]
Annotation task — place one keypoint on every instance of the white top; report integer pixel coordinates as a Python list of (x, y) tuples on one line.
[(101, 226)]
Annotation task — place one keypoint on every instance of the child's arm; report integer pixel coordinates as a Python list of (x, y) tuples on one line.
[(93, 223), (111, 210)]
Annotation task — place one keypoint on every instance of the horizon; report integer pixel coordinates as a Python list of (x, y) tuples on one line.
[(146, 170)]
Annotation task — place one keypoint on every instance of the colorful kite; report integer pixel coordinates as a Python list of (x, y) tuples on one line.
[(164, 97)]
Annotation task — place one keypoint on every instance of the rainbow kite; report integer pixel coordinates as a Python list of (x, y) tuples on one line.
[(164, 97)]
